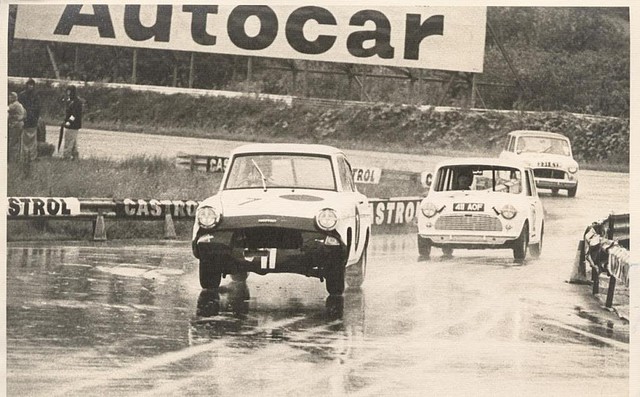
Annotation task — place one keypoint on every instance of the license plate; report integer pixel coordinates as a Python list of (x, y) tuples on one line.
[(267, 257), (473, 207)]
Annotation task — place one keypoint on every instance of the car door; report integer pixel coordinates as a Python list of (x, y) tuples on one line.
[(535, 207), (360, 204)]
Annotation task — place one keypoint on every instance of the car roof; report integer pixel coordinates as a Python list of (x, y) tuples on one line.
[(538, 133), (483, 161), (287, 148)]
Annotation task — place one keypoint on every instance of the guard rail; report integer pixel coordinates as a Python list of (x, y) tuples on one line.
[(387, 212)]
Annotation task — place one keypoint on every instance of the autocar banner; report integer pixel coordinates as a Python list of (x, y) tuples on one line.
[(429, 37)]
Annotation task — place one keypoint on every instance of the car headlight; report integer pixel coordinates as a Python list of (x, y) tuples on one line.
[(573, 170), (429, 209), (327, 219), (508, 211), (207, 217)]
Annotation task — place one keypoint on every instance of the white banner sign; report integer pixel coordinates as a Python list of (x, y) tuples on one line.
[(43, 206), (367, 175), (446, 38)]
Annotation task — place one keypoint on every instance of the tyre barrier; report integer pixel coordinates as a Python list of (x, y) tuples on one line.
[(605, 248), (387, 212)]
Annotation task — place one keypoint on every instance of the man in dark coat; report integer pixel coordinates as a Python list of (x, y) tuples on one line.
[(29, 99), (72, 123)]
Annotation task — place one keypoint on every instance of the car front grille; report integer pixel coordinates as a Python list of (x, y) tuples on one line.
[(548, 173), (267, 237), (469, 222)]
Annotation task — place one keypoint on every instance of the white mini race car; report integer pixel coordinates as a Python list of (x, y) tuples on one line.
[(549, 154), (480, 203), (284, 208)]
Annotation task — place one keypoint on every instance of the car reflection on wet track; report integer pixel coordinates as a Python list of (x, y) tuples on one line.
[(229, 310)]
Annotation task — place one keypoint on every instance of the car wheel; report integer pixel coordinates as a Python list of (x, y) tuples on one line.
[(555, 191), (521, 244), (572, 192), (447, 251), (334, 280), (356, 272), (536, 249), (424, 248), (209, 276)]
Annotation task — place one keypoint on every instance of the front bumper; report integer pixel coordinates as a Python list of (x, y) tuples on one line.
[(309, 254), (546, 183), (470, 241)]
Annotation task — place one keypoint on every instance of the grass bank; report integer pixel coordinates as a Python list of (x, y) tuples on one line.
[(599, 143)]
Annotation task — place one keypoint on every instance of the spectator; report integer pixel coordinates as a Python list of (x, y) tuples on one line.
[(29, 143), (72, 123), (15, 123)]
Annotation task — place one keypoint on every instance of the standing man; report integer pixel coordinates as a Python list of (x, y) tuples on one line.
[(72, 123), (29, 99), (15, 121)]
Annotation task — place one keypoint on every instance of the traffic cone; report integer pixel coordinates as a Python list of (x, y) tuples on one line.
[(579, 273), (99, 229), (169, 229)]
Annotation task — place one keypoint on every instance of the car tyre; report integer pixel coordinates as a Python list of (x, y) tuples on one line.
[(334, 280), (209, 276), (572, 191), (447, 252), (356, 273), (521, 244), (554, 191), (424, 248), (536, 249)]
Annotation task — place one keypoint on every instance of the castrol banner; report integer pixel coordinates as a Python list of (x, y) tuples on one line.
[(369, 175), (394, 211), (415, 36), (153, 208), (42, 206)]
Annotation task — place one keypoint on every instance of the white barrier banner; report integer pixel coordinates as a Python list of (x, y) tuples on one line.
[(429, 37), (42, 206), (367, 175), (394, 211)]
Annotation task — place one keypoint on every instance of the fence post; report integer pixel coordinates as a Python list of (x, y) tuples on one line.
[(169, 229), (610, 292), (99, 229), (579, 275), (595, 277)]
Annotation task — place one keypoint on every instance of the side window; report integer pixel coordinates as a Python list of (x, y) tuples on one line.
[(346, 175)]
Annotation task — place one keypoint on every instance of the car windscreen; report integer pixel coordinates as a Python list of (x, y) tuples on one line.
[(296, 171), (542, 144), (478, 177)]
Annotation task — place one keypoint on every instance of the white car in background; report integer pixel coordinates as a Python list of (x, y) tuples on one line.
[(481, 203), (284, 208), (549, 154)]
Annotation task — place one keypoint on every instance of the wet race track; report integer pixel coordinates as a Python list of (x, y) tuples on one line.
[(129, 318)]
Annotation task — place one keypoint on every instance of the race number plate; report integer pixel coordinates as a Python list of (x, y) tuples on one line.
[(473, 207), (267, 257)]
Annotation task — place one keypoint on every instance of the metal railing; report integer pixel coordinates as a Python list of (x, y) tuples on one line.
[(605, 249)]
